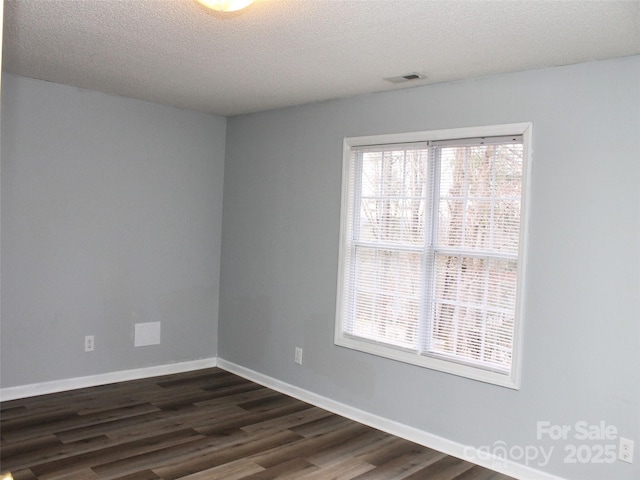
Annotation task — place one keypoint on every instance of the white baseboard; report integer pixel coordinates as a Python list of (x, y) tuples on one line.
[(421, 437), (24, 391)]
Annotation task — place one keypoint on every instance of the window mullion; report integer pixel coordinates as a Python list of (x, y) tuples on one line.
[(425, 325), (485, 292)]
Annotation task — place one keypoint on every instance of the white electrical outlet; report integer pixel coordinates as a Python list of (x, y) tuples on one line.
[(625, 453), (298, 357), (89, 344)]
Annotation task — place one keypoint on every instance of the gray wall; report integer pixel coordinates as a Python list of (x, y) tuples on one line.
[(111, 216), (582, 331)]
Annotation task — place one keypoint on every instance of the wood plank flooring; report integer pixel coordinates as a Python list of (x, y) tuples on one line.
[(208, 424)]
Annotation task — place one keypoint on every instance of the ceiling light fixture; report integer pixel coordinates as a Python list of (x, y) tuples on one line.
[(226, 5)]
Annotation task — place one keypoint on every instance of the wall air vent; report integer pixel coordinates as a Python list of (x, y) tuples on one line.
[(407, 77)]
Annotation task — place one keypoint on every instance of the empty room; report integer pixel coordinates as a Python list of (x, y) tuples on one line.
[(320, 239)]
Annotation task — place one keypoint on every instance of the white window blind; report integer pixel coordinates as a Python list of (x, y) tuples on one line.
[(431, 253)]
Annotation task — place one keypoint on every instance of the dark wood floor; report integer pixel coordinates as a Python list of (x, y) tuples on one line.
[(208, 424)]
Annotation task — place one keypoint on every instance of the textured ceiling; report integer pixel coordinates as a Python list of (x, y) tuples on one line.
[(278, 53)]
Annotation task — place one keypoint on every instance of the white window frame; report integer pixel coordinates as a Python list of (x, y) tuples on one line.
[(509, 379)]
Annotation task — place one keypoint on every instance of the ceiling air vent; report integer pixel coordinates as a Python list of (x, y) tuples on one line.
[(408, 77)]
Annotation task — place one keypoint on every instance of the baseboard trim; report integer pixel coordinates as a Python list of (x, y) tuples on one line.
[(32, 390), (421, 437)]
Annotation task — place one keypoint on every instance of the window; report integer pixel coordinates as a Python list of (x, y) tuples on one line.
[(432, 251)]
